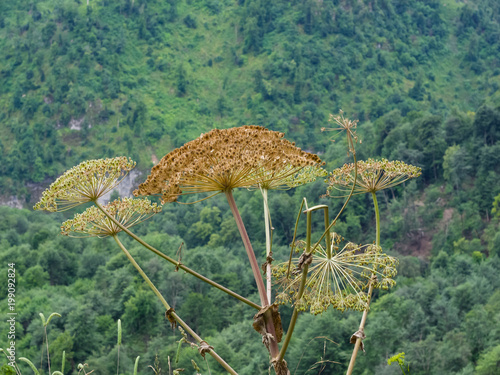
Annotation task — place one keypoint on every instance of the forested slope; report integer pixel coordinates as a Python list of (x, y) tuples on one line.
[(139, 78)]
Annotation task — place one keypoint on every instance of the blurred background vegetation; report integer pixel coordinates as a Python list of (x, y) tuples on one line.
[(138, 78)]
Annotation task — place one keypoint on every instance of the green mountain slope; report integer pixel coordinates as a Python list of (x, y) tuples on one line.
[(139, 78)]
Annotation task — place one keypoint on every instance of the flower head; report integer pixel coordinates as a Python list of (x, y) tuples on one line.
[(399, 358), (94, 223), (86, 182), (339, 281), (290, 176), (373, 175), (221, 160), (349, 126)]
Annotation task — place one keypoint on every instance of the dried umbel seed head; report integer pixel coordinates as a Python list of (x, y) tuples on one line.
[(373, 175), (221, 160), (86, 182), (339, 281), (342, 124), (94, 223)]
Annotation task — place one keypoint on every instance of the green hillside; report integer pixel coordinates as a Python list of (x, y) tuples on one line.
[(139, 78)]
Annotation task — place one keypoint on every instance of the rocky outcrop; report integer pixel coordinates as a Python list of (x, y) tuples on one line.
[(124, 189)]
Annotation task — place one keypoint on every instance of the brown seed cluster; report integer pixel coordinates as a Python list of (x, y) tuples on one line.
[(225, 159), (94, 223), (373, 175), (339, 281), (84, 183)]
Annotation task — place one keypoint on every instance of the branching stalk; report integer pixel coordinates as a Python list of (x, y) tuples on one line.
[(377, 218), (167, 306), (370, 289), (267, 217), (295, 236), (273, 345), (249, 249), (327, 231), (305, 269), (176, 263)]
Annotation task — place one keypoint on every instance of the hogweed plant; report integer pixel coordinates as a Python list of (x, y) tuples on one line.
[(124, 214), (223, 160), (370, 177), (251, 157)]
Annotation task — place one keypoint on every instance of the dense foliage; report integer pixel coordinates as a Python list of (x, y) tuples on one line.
[(138, 78)]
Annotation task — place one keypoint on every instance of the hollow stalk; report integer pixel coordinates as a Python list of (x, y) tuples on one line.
[(370, 289), (268, 244), (305, 269), (176, 263), (249, 249), (273, 345), (327, 231), (167, 306)]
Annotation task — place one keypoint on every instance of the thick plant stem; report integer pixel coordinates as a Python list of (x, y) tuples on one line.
[(361, 328), (304, 200), (295, 313), (377, 218), (328, 237), (370, 289), (167, 306), (327, 231), (248, 247), (268, 245), (273, 345), (176, 263)]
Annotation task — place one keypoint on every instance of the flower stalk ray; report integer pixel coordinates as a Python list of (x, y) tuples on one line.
[(340, 280)]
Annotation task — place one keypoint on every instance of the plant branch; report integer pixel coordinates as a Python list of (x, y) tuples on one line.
[(273, 344), (249, 249), (295, 313), (370, 289), (295, 236), (377, 218), (167, 306), (267, 217), (176, 263), (327, 231)]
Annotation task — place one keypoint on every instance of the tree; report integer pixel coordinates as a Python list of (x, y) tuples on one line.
[(487, 125), (430, 141), (181, 81), (141, 314), (457, 166), (489, 363)]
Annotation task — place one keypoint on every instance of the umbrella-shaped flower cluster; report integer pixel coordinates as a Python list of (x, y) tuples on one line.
[(86, 182), (94, 223), (224, 159), (340, 280), (373, 175)]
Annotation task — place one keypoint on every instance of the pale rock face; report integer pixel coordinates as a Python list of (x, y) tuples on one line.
[(11, 201), (125, 188)]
